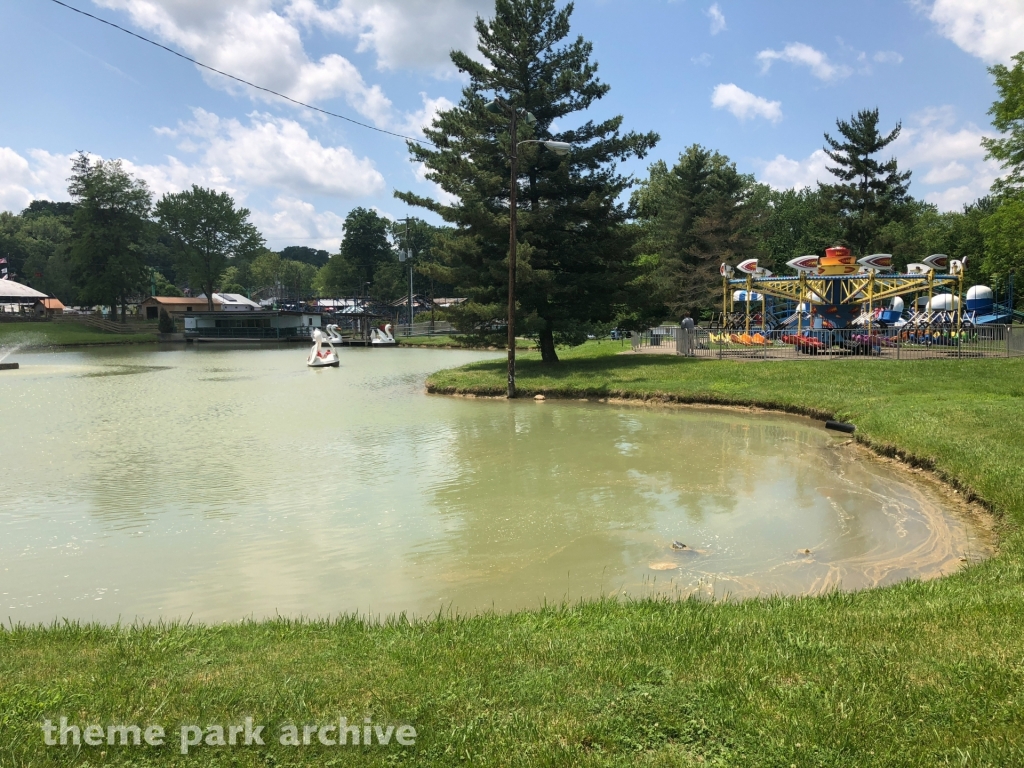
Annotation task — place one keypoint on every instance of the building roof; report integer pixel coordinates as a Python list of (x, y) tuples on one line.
[(182, 300), (232, 300), (52, 303), (13, 292), (256, 313)]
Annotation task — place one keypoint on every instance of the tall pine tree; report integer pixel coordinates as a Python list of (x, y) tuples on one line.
[(872, 192), (575, 262), (695, 216)]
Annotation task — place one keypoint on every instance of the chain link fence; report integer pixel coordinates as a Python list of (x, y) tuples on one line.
[(891, 343)]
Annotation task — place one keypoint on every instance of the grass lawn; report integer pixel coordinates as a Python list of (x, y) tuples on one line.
[(919, 674), (457, 342), (64, 335)]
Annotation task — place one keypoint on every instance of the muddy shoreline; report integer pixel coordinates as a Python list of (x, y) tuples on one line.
[(962, 501)]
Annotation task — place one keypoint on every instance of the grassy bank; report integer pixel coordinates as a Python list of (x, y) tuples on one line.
[(457, 342), (920, 674), (42, 335)]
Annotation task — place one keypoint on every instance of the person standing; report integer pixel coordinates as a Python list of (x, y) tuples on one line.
[(688, 330)]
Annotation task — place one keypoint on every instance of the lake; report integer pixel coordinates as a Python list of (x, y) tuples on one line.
[(218, 484)]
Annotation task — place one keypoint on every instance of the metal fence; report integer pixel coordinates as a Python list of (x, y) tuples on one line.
[(284, 334), (889, 343), (437, 328)]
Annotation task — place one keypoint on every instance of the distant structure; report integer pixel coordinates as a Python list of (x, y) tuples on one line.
[(18, 298)]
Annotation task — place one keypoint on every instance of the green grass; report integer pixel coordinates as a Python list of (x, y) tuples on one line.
[(919, 674), (65, 335), (456, 342)]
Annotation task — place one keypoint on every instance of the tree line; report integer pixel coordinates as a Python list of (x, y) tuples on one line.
[(591, 255), (113, 245), (597, 248)]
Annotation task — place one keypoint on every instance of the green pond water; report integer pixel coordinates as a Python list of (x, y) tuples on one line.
[(220, 484)]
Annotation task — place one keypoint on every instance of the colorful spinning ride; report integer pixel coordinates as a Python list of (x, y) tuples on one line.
[(830, 291)]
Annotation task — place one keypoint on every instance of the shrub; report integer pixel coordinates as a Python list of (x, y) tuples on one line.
[(166, 322)]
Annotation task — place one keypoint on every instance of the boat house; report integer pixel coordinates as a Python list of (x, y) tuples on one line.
[(175, 306), (256, 325)]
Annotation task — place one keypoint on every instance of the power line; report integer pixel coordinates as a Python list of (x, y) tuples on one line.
[(238, 79)]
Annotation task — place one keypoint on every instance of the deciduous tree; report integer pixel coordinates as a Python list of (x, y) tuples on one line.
[(1003, 231), (366, 245), (1008, 118), (305, 254), (109, 228), (209, 231)]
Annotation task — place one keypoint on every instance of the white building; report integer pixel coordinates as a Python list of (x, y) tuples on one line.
[(232, 302)]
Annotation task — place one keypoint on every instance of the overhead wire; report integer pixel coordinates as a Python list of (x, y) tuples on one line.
[(239, 79)]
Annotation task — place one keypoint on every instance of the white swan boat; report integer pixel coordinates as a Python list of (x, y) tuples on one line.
[(333, 335), (322, 355), (378, 336)]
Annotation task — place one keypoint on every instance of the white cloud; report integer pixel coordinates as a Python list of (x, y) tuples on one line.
[(954, 171), (275, 153), (417, 34), (264, 154), (717, 19), (745, 105), (703, 60), (992, 30), (784, 173), (940, 152), (14, 180), (417, 121), (888, 57), (248, 38), (41, 176), (261, 41), (297, 222), (804, 55), (932, 145)]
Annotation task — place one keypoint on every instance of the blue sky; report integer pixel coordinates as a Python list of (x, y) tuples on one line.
[(760, 81)]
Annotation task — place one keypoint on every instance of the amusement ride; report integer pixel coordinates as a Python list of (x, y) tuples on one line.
[(839, 293)]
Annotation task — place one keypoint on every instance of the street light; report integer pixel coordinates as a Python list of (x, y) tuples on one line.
[(405, 254), (558, 148)]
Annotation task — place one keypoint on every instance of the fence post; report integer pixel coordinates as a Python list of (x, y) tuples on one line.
[(1009, 328)]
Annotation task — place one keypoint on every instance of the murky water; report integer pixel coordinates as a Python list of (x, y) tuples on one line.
[(223, 483)]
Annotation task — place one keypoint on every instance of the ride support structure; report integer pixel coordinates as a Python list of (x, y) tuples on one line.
[(834, 289)]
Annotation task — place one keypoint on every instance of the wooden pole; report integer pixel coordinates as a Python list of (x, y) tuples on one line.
[(800, 303), (871, 301), (512, 258), (725, 298), (750, 280)]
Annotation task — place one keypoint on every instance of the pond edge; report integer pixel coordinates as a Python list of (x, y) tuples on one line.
[(999, 523)]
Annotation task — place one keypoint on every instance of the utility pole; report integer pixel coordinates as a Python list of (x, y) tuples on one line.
[(514, 145), (560, 148), (405, 254)]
